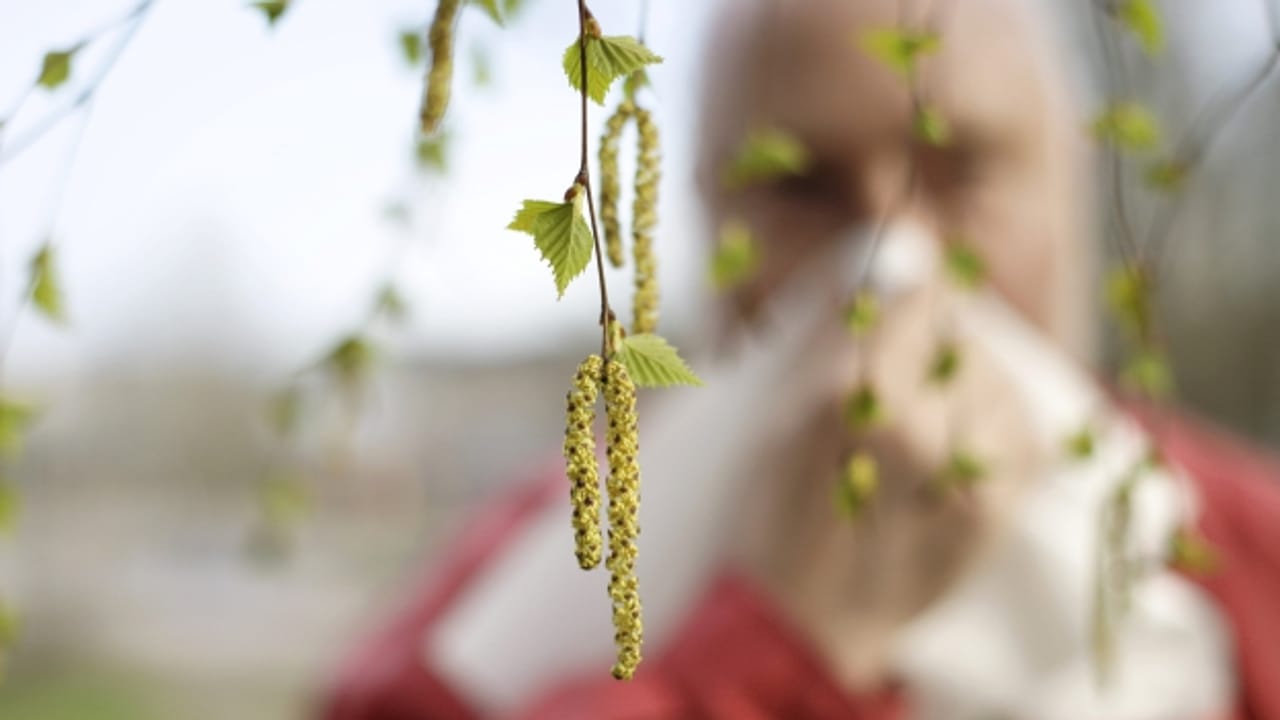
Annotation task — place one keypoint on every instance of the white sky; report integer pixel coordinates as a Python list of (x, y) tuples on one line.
[(227, 203)]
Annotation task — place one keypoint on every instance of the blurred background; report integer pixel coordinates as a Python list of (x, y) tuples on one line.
[(229, 208)]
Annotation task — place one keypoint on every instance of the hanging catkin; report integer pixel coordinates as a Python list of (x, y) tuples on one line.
[(610, 185), (435, 97), (580, 462), (624, 504), (644, 219)]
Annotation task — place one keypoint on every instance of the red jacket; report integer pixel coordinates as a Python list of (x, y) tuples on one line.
[(737, 658)]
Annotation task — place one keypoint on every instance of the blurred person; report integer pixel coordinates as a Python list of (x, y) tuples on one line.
[(762, 600)]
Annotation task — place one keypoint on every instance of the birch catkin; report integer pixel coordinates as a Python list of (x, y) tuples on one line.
[(624, 503), (610, 185), (644, 219), (580, 462), (435, 96)]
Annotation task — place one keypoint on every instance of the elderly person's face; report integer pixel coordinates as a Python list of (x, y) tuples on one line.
[(1006, 184)]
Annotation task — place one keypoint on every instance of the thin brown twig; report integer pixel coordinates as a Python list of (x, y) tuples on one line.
[(584, 179), (1115, 87), (1204, 133), (133, 20)]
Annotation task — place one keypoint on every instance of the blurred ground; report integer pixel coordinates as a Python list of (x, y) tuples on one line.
[(139, 598)]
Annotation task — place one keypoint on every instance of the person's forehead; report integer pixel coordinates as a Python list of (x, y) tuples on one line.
[(801, 66)]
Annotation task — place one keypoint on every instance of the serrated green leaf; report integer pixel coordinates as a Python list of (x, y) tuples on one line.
[(272, 9), (767, 154), (492, 9), (608, 58), (46, 291), (283, 410), (931, 127), (527, 216), (862, 408), (859, 482), (1143, 20), (1166, 176), (10, 506), (15, 418), (862, 314), (737, 256), (652, 362), (431, 152), (411, 45), (899, 49), (56, 68), (965, 266), (1129, 126), (1080, 444), (391, 304), (945, 363), (560, 233), (351, 359)]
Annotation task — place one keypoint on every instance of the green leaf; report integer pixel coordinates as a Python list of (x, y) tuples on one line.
[(766, 154), (10, 506), (46, 292), (1148, 374), (1129, 297), (899, 49), (56, 68), (859, 482), (526, 218), (1167, 176), (560, 233), (391, 304), (15, 418), (411, 45), (652, 362), (737, 256), (965, 266), (1189, 552), (351, 359), (862, 409), (1143, 20), (964, 469), (272, 9), (1080, 444), (608, 58), (862, 314), (931, 127), (1129, 126), (431, 152), (945, 363)]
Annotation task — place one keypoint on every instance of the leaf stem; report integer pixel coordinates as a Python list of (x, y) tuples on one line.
[(584, 179)]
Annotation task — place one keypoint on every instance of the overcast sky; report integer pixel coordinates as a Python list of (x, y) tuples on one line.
[(227, 203)]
